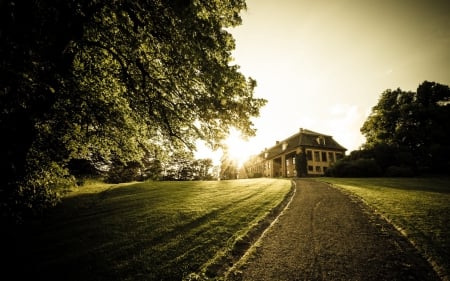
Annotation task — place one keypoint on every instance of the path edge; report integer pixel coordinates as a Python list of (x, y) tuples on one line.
[(260, 231), (440, 272)]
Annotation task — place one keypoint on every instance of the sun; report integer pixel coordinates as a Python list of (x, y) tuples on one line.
[(237, 147)]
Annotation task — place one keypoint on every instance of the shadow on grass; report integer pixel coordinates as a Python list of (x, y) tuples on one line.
[(116, 231)]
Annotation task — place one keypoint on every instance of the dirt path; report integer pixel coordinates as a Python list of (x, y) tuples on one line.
[(325, 235)]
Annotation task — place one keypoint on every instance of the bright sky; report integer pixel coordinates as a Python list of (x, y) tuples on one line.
[(322, 65)]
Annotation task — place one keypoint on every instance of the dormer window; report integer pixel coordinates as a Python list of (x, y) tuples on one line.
[(284, 146), (320, 140)]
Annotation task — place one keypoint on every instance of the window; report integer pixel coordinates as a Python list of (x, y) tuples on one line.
[(310, 168), (339, 155), (293, 160), (318, 169), (331, 156), (309, 155), (320, 140), (324, 157), (316, 156)]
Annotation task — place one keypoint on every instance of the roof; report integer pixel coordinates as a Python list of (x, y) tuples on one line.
[(304, 138)]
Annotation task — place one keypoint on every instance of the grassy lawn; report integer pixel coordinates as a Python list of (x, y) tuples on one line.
[(145, 231), (419, 207)]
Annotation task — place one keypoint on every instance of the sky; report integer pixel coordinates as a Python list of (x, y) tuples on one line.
[(322, 65)]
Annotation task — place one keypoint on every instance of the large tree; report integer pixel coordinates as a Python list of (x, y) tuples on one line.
[(413, 126), (112, 79)]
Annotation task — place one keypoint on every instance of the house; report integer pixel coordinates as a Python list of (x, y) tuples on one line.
[(306, 153)]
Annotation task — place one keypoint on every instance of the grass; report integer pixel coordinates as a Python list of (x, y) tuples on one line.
[(418, 207), (145, 231)]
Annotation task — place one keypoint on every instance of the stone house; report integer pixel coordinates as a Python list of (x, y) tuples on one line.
[(306, 153)]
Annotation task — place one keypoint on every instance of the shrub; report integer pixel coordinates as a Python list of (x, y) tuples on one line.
[(399, 171), (355, 168), (120, 172), (257, 175), (367, 168), (37, 192)]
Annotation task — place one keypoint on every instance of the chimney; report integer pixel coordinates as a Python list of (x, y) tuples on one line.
[(301, 130), (277, 142)]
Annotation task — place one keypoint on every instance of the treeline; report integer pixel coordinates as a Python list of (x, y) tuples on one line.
[(180, 167), (407, 134)]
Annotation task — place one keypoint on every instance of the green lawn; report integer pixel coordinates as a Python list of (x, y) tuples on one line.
[(145, 231), (419, 207)]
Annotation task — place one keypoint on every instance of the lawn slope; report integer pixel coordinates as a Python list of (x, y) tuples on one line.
[(144, 231)]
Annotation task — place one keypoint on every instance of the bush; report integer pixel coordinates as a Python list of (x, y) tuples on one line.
[(355, 168), (399, 171), (368, 168), (123, 172), (257, 175), (339, 169), (32, 196)]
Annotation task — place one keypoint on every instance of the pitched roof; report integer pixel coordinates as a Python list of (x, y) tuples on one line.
[(304, 138)]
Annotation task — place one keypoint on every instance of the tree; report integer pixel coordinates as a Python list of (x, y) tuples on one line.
[(123, 172), (411, 128), (301, 163), (203, 169), (151, 169), (179, 166), (112, 78)]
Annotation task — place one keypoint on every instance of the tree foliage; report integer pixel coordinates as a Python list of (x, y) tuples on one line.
[(182, 166), (412, 122), (361, 167), (408, 132), (112, 79)]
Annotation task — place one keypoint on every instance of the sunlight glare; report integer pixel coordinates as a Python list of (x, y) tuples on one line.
[(238, 148)]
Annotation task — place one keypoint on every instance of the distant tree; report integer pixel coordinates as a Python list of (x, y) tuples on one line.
[(381, 125), (113, 79), (203, 169), (123, 172), (152, 170), (179, 166), (411, 128)]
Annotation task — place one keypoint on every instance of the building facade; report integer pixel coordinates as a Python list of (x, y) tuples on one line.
[(306, 153)]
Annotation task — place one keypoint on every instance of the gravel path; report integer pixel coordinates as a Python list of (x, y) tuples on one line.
[(326, 235)]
